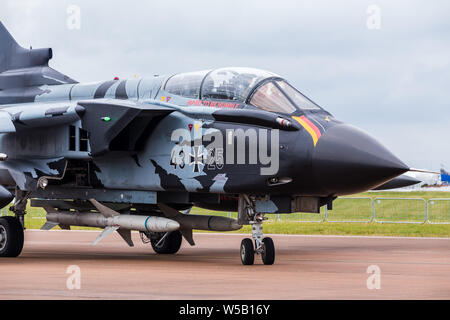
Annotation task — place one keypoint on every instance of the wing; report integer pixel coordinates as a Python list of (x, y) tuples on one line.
[(119, 125), (112, 125)]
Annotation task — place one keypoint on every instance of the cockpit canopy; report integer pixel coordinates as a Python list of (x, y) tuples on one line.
[(261, 89)]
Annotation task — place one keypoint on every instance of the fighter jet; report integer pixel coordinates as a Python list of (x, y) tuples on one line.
[(137, 154)]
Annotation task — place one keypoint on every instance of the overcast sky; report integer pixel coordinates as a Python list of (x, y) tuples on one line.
[(393, 82)]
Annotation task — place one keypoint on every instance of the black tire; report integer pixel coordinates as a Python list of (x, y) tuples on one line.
[(247, 252), (12, 230), (268, 254), (170, 245)]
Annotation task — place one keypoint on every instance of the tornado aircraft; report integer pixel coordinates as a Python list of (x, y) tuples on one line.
[(137, 154)]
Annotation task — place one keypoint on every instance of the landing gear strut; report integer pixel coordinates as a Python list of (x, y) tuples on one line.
[(262, 246), (20, 205)]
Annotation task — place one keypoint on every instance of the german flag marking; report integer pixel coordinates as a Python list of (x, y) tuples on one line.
[(309, 127)]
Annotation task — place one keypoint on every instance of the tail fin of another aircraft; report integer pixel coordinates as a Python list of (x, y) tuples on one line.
[(20, 67)]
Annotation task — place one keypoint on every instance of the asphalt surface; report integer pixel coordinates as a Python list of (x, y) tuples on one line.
[(306, 267)]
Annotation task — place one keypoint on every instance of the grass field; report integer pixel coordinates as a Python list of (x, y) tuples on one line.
[(358, 210), (364, 229)]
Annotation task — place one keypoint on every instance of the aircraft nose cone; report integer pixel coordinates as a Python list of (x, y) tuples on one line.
[(347, 160)]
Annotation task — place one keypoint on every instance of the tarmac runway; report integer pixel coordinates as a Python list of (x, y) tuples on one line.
[(306, 267)]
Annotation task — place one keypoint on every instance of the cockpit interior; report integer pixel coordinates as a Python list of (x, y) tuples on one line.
[(258, 88)]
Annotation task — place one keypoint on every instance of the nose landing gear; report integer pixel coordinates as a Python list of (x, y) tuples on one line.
[(263, 246)]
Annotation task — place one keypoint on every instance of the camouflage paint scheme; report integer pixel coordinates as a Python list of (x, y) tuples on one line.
[(148, 169), (39, 105)]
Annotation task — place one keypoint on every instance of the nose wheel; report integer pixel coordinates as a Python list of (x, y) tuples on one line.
[(268, 252), (248, 251), (263, 246)]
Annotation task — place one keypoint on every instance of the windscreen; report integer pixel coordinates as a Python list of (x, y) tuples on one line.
[(299, 99), (270, 98)]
